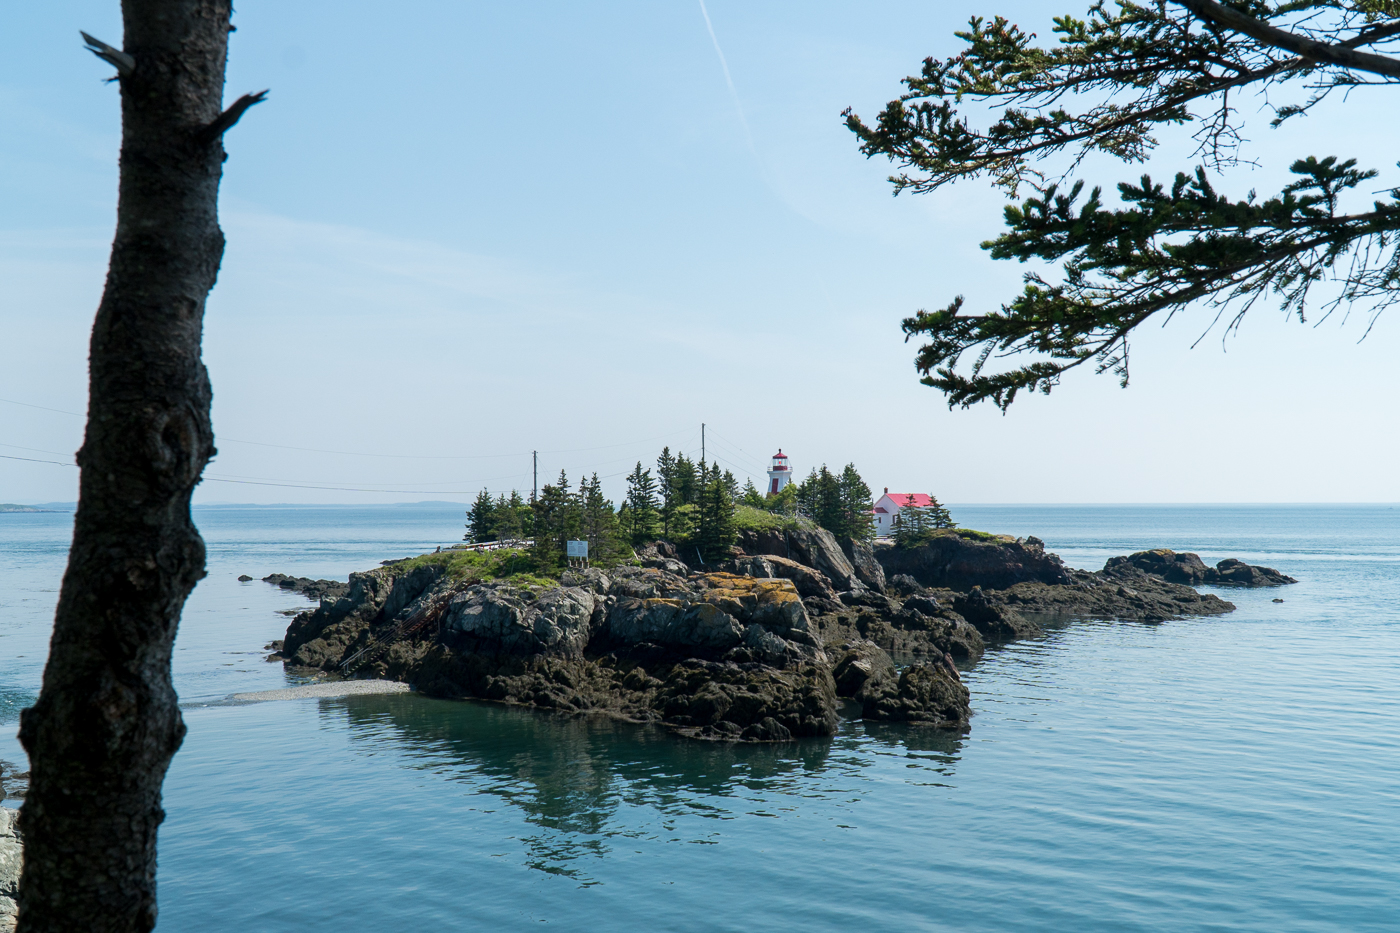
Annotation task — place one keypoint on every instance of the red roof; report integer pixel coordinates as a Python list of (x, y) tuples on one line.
[(921, 500), (780, 456), (881, 511)]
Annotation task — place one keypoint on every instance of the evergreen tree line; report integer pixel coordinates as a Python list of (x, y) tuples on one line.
[(557, 516), (690, 503), (687, 502)]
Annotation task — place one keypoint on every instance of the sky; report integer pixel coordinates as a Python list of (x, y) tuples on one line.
[(461, 232)]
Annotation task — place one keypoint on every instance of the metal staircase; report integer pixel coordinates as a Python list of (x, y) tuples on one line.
[(378, 645)]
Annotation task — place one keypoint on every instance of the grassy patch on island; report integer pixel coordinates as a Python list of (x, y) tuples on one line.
[(748, 518), (465, 566)]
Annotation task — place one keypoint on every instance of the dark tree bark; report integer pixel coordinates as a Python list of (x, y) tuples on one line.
[(107, 723)]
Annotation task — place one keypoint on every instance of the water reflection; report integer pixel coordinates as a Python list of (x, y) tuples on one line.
[(590, 783)]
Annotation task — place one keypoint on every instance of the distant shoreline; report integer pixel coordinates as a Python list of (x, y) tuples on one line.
[(27, 509)]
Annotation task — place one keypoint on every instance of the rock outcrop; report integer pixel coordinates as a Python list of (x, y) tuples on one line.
[(14, 783), (311, 589), (760, 648), (813, 547), (1189, 570), (716, 655), (961, 560), (867, 568), (11, 860)]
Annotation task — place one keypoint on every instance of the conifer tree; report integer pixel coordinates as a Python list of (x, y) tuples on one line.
[(666, 479), (557, 520), (857, 519), (805, 494), (938, 516), (1107, 85), (641, 505), (481, 518), (599, 523), (687, 483), (826, 503), (510, 524), (910, 524), (752, 497), (731, 484), (716, 532)]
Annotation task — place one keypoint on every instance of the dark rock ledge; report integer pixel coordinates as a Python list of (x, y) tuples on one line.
[(762, 648)]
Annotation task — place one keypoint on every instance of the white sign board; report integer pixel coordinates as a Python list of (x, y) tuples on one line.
[(578, 548)]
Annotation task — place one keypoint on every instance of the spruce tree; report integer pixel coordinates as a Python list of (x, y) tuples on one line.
[(752, 497), (938, 516), (510, 517), (666, 478), (481, 518), (826, 503), (717, 532), (641, 505), (686, 482), (599, 523), (856, 505), (557, 520), (731, 485)]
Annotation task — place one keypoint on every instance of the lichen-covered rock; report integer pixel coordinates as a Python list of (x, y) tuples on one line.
[(815, 547), (773, 604), (808, 582)]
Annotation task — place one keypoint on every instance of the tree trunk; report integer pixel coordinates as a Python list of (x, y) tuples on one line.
[(107, 722)]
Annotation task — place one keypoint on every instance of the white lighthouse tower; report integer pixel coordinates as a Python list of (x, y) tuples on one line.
[(779, 474)]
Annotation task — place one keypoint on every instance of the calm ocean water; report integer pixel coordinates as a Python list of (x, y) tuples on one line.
[(1234, 773)]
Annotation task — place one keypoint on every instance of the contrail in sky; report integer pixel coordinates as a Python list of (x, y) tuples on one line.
[(730, 81)]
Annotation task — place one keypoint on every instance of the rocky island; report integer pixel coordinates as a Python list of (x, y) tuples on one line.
[(770, 644)]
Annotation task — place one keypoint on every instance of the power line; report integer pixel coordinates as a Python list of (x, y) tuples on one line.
[(32, 460), (355, 453), (41, 407), (37, 450)]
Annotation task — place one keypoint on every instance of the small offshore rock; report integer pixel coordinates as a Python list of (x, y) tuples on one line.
[(311, 589), (244, 578), (1188, 569)]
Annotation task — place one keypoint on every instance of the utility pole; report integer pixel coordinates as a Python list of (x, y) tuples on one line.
[(702, 442), (535, 483)]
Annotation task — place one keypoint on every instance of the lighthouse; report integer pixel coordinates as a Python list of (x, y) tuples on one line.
[(779, 474)]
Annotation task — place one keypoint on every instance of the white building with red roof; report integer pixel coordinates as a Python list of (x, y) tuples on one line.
[(891, 503), (779, 474)]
